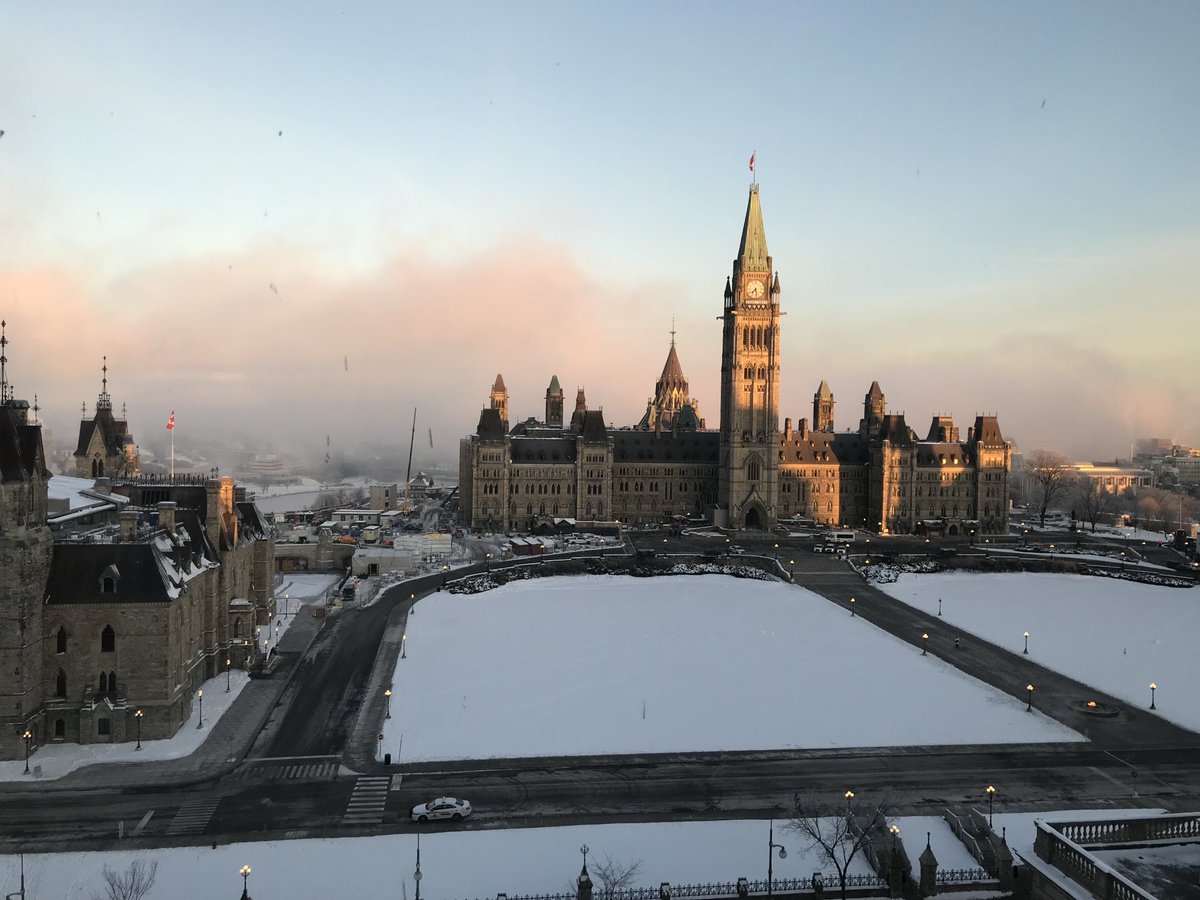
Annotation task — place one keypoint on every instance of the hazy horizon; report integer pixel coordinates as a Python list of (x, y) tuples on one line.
[(285, 223)]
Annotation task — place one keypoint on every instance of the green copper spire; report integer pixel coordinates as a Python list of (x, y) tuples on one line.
[(753, 250)]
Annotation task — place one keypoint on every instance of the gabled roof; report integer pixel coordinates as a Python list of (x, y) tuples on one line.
[(111, 432)]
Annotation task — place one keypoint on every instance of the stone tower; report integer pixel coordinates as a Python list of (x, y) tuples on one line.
[(554, 404), (670, 395), (25, 551), (106, 449), (500, 400), (749, 457), (874, 408), (823, 408)]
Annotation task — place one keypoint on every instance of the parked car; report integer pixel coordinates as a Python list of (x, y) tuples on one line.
[(736, 550), (441, 808)]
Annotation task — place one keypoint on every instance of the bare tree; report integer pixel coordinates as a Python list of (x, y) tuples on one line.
[(1093, 500), (615, 875), (1049, 473), (132, 884), (839, 830)]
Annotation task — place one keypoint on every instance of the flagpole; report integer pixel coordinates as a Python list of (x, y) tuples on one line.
[(172, 446)]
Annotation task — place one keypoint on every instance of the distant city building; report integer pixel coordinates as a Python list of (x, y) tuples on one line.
[(1115, 478), (106, 618), (748, 474)]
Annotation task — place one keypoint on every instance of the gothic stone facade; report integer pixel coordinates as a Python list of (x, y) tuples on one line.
[(97, 626), (749, 473)]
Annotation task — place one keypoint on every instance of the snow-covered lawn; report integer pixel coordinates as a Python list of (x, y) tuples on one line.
[(617, 664), (1118, 636), (454, 864)]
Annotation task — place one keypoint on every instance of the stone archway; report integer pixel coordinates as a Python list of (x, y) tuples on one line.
[(753, 518)]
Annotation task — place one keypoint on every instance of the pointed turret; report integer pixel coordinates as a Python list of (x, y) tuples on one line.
[(105, 449), (554, 404), (670, 394), (499, 400), (874, 407), (823, 408), (753, 249)]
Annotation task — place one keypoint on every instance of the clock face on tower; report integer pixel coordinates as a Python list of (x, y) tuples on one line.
[(754, 289)]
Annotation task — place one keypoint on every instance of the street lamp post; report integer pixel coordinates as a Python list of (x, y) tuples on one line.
[(227, 661), (28, 736), (417, 871), (939, 606), (244, 871), (1029, 698), (771, 848), (445, 572), (1026, 650), (387, 695), (991, 791), (924, 642), (137, 717), (404, 646), (851, 607), (1153, 688), (849, 795), (487, 562), (200, 699)]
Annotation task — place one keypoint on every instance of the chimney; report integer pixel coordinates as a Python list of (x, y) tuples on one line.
[(212, 512), (128, 519), (166, 515), (103, 486), (787, 428)]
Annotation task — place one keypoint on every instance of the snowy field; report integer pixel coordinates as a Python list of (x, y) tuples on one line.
[(616, 664), (1116, 635)]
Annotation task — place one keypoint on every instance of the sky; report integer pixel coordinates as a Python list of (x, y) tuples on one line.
[(286, 221)]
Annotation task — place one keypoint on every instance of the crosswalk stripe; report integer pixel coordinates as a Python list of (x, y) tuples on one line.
[(193, 817), (367, 801)]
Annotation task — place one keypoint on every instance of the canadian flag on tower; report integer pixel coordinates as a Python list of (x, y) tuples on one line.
[(751, 162), (171, 421)]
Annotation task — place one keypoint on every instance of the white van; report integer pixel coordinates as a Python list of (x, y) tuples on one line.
[(839, 537)]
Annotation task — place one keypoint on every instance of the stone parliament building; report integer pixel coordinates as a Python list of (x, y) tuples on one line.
[(749, 473), (107, 632)]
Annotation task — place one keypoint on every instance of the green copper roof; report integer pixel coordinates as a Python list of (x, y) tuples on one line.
[(554, 388), (753, 249)]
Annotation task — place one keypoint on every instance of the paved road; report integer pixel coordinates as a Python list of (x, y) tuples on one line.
[(295, 782)]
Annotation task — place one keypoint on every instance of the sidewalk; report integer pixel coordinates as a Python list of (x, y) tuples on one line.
[(227, 741)]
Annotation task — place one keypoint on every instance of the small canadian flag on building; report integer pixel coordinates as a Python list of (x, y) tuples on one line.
[(171, 421)]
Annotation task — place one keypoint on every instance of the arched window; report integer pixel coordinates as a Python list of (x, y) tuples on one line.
[(753, 469), (60, 728), (112, 681), (108, 585), (237, 628), (60, 684), (103, 682), (108, 640), (60, 640)]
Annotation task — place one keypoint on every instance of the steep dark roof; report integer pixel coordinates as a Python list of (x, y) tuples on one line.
[(77, 570), (491, 427), (666, 446), (987, 431), (550, 450), (554, 386), (685, 419), (21, 456), (253, 525), (943, 453), (822, 447), (875, 391), (593, 428), (893, 428), (499, 385)]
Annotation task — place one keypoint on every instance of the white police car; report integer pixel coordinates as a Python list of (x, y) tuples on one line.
[(441, 808)]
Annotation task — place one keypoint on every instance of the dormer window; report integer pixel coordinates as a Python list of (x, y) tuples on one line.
[(109, 579)]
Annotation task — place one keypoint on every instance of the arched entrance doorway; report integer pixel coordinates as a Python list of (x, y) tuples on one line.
[(753, 519)]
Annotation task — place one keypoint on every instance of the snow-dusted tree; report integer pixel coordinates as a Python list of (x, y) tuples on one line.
[(133, 883), (1092, 500), (615, 875), (1049, 474), (838, 829)]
